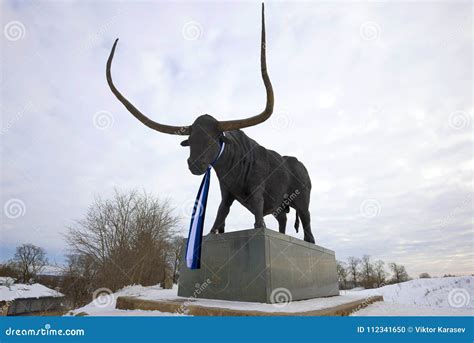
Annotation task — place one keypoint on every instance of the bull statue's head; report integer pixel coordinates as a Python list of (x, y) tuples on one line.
[(206, 132)]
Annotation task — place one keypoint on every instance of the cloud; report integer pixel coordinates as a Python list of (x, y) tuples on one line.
[(374, 98)]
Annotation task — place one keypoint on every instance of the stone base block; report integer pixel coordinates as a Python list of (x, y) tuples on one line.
[(260, 265)]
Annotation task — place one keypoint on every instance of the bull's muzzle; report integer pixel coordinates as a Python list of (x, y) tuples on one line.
[(197, 167)]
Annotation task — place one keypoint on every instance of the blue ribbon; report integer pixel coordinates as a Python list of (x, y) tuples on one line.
[(193, 247)]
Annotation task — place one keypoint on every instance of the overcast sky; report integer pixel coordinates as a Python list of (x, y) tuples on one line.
[(375, 100)]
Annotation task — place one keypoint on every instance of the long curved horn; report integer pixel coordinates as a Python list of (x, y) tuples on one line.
[(173, 130), (267, 112)]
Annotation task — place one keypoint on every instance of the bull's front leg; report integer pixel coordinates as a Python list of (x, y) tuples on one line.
[(256, 207), (222, 212)]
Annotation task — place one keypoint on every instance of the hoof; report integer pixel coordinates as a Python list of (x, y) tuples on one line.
[(216, 231), (263, 226)]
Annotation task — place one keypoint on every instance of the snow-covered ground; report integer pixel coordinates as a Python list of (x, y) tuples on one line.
[(104, 305), (421, 297), (449, 296), (11, 291)]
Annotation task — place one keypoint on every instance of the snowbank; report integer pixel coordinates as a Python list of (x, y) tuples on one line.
[(436, 296), (6, 281), (21, 291)]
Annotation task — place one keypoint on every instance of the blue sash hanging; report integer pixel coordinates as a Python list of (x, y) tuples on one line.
[(193, 247)]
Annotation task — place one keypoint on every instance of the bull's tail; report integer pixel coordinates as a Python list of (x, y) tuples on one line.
[(297, 221)]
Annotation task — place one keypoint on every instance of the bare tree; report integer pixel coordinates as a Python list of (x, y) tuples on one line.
[(341, 268), (178, 246), (399, 273), (77, 278), (353, 269), (380, 275), (29, 261), (126, 239), (424, 276), (366, 272), (8, 269)]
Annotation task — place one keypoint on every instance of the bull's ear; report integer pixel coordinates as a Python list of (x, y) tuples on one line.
[(185, 142), (224, 139)]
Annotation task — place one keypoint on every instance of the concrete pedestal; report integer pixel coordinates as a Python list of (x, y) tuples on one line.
[(260, 265)]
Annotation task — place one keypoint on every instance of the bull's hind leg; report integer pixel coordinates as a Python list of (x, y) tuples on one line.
[(306, 221), (281, 217), (301, 204)]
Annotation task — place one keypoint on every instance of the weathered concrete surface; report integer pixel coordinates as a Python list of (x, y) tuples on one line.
[(187, 307), (260, 265)]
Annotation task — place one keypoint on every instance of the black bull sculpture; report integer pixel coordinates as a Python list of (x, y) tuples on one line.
[(262, 180)]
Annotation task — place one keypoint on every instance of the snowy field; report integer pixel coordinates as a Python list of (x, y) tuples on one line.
[(451, 296)]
